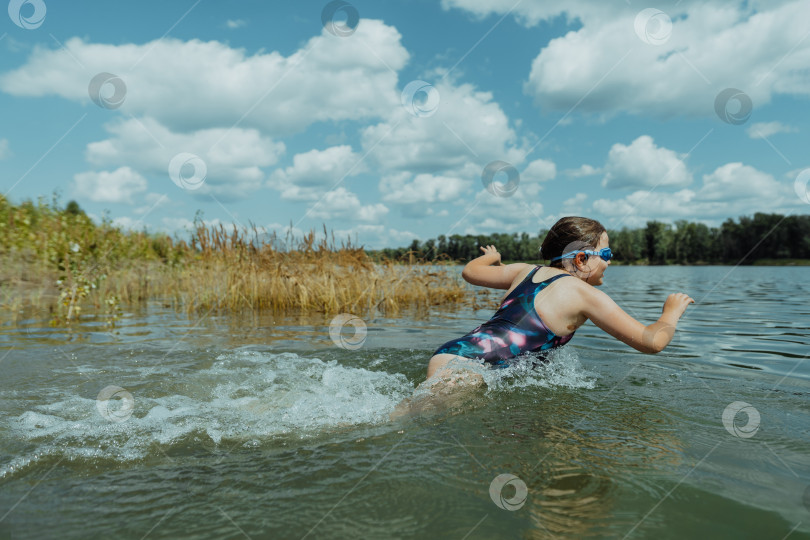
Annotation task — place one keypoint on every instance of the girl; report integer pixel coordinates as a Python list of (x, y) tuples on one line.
[(542, 308)]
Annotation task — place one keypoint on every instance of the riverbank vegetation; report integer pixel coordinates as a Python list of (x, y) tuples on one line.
[(761, 239), (60, 262)]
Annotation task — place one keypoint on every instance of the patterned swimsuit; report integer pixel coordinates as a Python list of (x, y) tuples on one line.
[(515, 328)]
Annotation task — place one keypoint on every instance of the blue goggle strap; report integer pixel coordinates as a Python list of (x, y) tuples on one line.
[(586, 251)]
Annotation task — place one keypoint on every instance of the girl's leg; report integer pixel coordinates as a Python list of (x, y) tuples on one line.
[(445, 385), (437, 362)]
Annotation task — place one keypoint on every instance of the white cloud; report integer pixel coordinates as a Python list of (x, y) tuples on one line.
[(574, 205), (424, 194), (531, 13), (376, 236), (186, 96), (313, 172), (214, 223), (536, 172), (488, 225), (153, 202), (235, 23), (372, 236), (491, 213), (156, 198), (281, 229), (733, 189), (636, 209), (582, 170), (643, 164), (737, 181), (5, 152), (177, 225), (761, 130), (539, 170), (284, 235), (792, 174), (372, 212), (398, 238), (400, 188), (604, 67), (128, 224), (190, 85), (467, 126), (117, 186), (15, 45), (341, 203), (233, 162)]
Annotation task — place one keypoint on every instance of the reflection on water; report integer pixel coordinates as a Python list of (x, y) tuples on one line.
[(261, 424), (576, 469)]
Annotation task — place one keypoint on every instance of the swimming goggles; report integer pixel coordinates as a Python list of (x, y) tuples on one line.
[(605, 253)]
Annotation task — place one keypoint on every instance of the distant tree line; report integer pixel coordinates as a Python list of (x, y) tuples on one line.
[(765, 236)]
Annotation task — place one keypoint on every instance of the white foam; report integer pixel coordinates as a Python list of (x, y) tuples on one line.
[(561, 370), (247, 396), (449, 387)]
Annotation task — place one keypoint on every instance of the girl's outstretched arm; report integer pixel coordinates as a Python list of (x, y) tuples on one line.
[(650, 339), (487, 270)]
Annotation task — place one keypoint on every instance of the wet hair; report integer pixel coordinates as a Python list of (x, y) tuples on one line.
[(570, 233)]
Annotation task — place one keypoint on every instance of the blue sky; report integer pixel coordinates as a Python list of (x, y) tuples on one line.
[(254, 112)]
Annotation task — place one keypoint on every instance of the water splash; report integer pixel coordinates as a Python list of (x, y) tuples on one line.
[(561, 370), (243, 397), (457, 387)]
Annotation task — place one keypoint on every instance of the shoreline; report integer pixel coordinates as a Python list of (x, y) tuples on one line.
[(329, 286)]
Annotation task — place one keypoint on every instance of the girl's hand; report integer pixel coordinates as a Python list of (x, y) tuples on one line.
[(490, 250), (676, 304)]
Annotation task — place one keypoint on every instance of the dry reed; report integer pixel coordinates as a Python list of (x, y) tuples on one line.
[(61, 263)]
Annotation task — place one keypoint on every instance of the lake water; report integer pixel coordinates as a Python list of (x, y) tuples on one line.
[(261, 427)]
